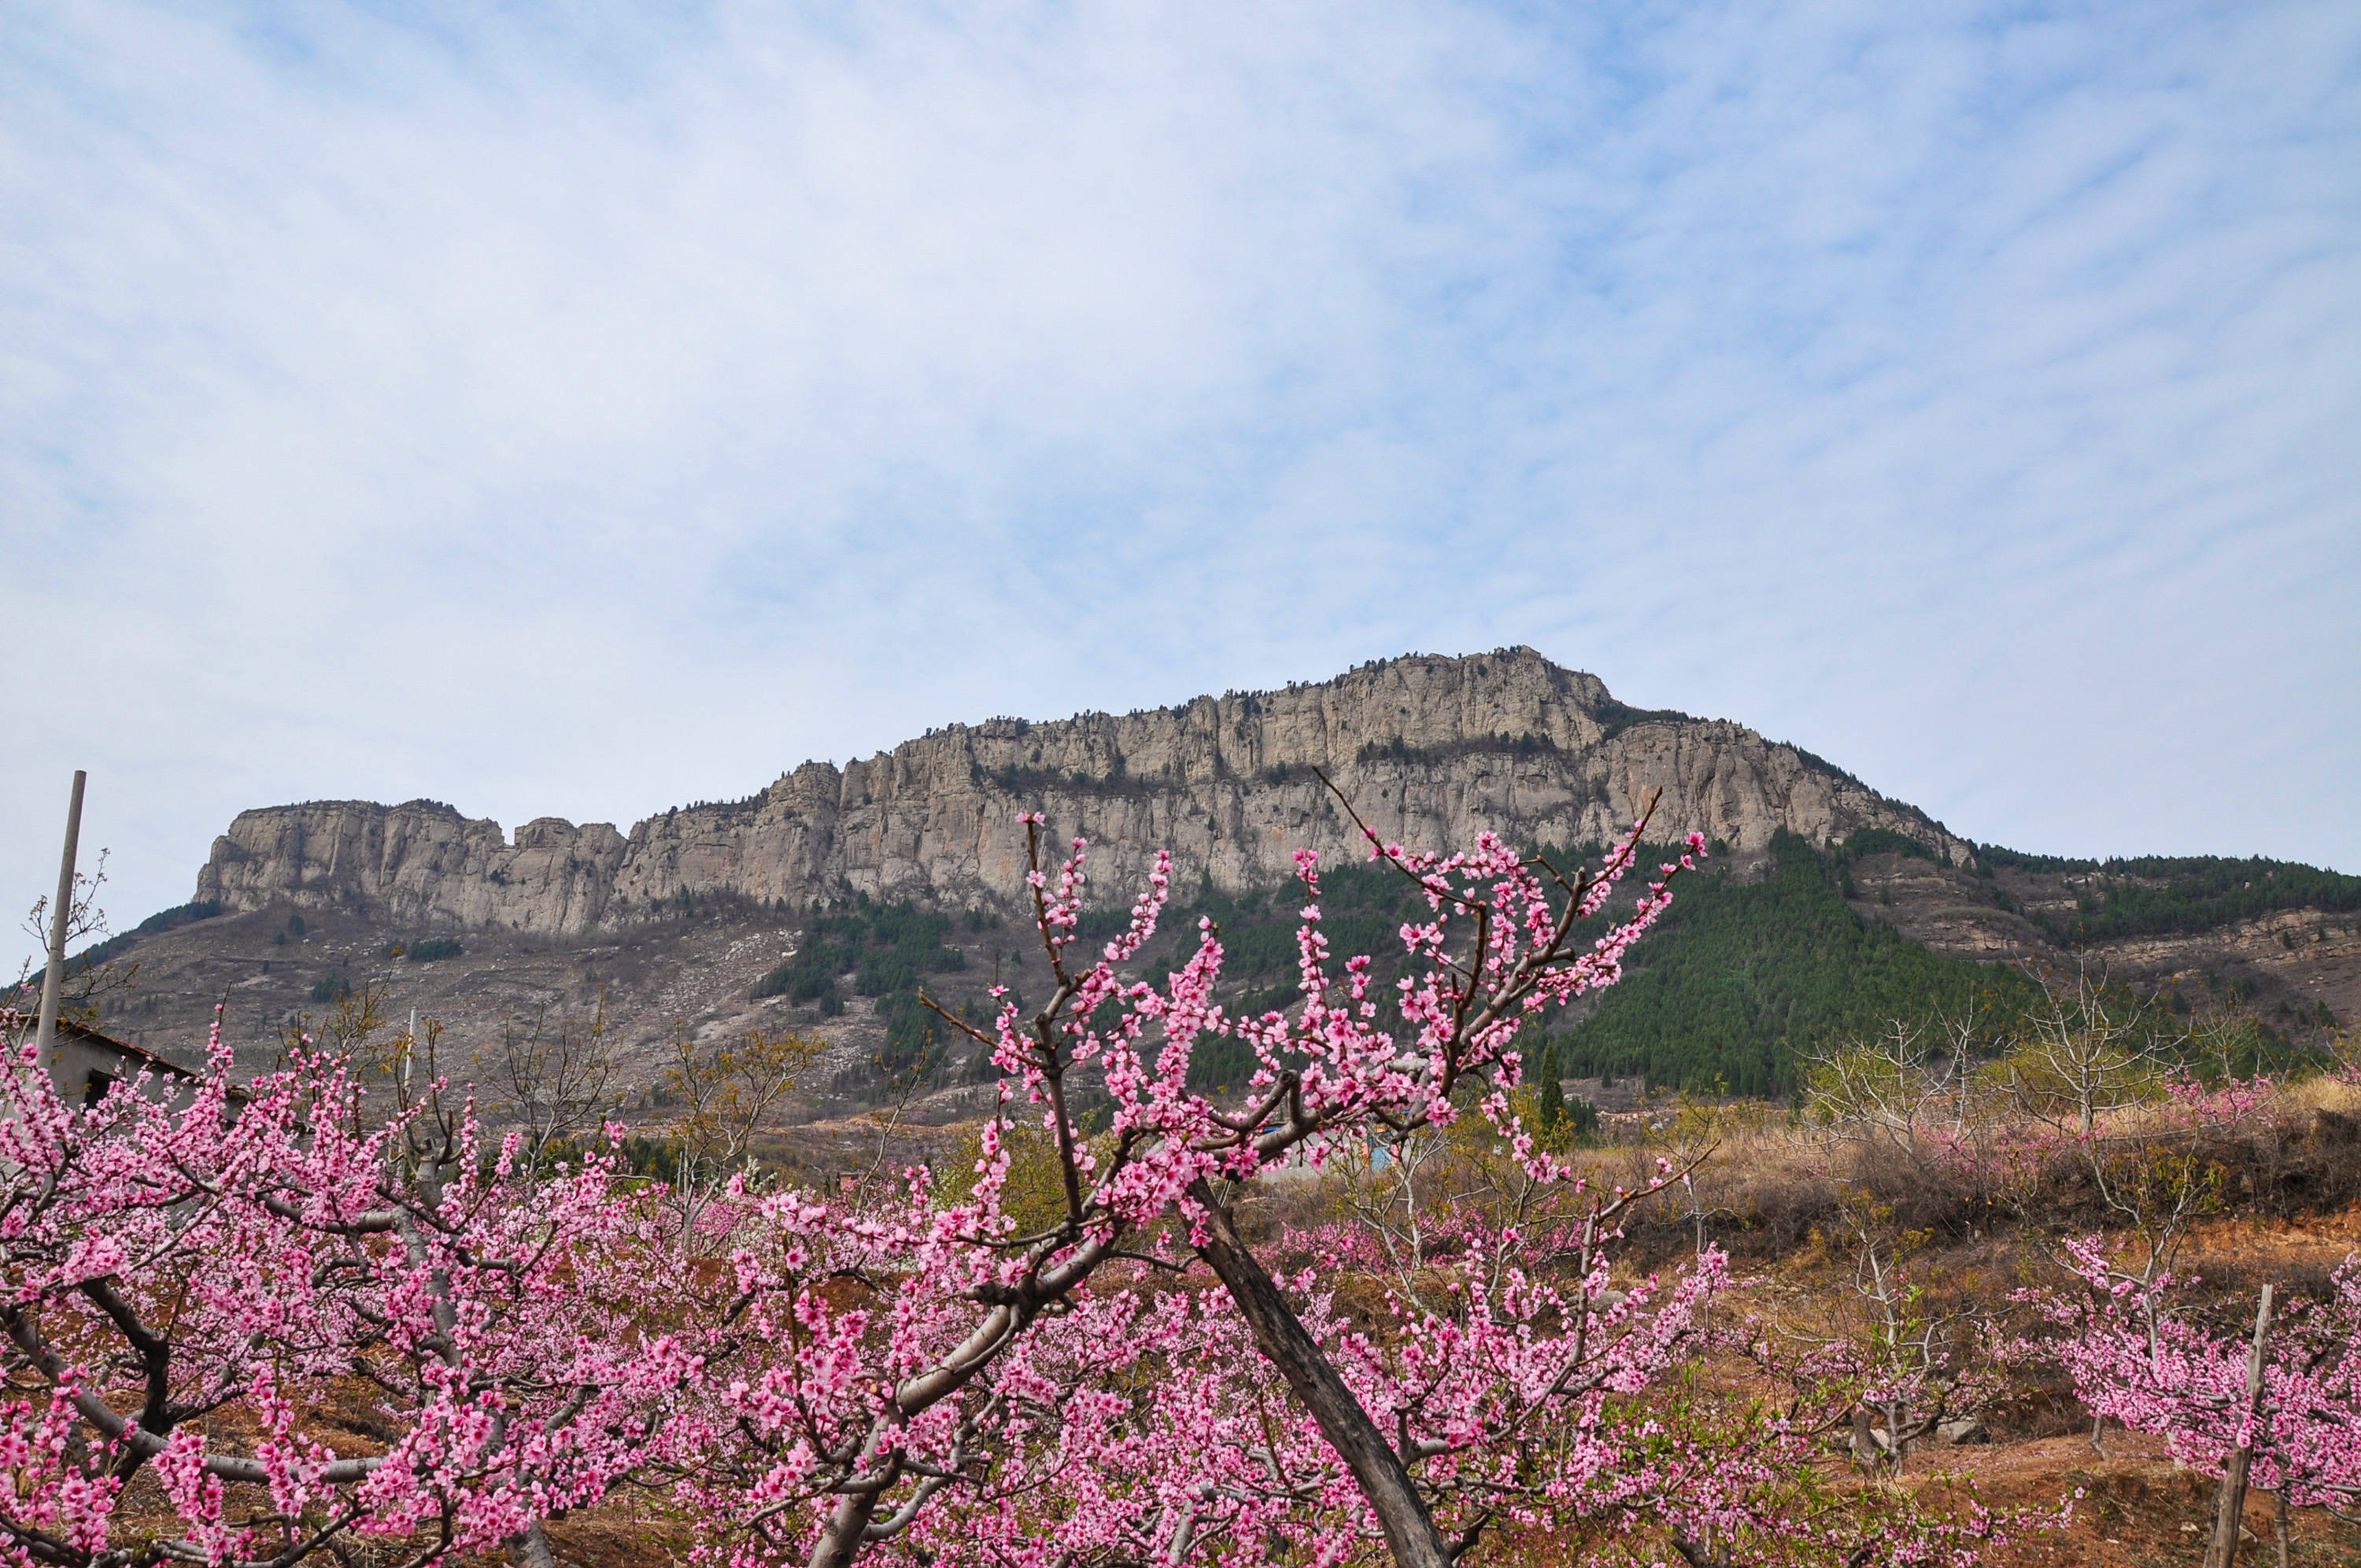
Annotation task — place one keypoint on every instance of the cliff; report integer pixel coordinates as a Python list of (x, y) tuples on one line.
[(1430, 750)]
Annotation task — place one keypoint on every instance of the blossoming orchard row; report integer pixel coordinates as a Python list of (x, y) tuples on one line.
[(207, 1288)]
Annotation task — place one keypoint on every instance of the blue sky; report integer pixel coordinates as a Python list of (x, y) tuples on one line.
[(584, 410)]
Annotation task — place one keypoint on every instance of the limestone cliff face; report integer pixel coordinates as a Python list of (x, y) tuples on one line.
[(1430, 750)]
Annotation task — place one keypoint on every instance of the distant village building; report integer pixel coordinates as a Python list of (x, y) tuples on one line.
[(87, 1065)]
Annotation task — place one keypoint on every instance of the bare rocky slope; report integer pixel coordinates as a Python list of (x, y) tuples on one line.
[(1430, 750)]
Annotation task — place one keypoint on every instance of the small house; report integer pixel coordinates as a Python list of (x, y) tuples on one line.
[(87, 1063)]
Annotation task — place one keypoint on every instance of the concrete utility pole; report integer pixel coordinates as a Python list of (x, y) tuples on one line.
[(53, 979)]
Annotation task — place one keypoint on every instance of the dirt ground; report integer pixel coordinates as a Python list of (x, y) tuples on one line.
[(2133, 1507), (2137, 1506)]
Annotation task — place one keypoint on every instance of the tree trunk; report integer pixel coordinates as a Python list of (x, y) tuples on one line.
[(2229, 1502), (846, 1530), (1385, 1482), (2229, 1511), (530, 1549)]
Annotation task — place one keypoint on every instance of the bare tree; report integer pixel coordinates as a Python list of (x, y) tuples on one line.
[(725, 1092), (1878, 1090), (2091, 1055), (1915, 1086), (1910, 1367), (85, 981), (1396, 1197), (726, 1089), (2089, 1050), (352, 1030), (555, 1077)]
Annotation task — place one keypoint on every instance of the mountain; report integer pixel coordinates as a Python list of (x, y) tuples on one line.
[(822, 903), (1430, 750)]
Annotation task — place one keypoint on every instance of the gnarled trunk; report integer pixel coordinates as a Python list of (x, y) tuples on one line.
[(1280, 1335)]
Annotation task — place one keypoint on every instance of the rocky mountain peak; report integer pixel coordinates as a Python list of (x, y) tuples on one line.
[(1431, 750)]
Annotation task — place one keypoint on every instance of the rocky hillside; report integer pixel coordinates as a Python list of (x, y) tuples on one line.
[(675, 925), (1430, 750)]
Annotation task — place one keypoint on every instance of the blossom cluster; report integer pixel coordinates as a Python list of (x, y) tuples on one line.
[(2144, 1351), (181, 1255)]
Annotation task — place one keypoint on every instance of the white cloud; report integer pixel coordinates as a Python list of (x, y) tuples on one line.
[(581, 416)]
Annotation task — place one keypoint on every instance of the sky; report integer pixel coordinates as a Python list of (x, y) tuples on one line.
[(581, 410)]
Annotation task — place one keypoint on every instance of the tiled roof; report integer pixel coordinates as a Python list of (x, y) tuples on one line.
[(123, 1048)]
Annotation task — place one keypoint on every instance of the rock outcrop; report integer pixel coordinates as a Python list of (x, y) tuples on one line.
[(1430, 750)]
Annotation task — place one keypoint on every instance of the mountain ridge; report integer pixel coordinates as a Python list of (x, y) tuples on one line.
[(1430, 748), (707, 919)]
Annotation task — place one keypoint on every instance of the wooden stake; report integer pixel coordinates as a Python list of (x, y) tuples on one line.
[(53, 979), (2229, 1502)]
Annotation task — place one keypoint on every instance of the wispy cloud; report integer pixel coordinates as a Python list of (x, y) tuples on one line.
[(586, 409)]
